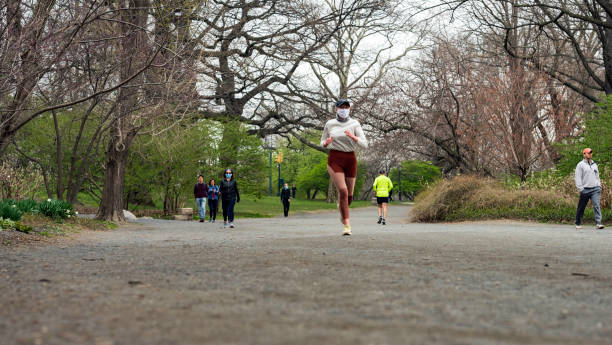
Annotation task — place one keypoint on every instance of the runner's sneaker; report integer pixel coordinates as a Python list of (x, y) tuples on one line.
[(384, 221), (347, 230), (224, 225), (379, 219), (600, 226), (232, 225), (213, 221), (578, 227)]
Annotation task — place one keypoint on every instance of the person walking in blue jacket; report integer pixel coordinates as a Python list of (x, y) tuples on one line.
[(213, 200)]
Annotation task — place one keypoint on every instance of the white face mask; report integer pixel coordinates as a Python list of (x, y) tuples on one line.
[(343, 113)]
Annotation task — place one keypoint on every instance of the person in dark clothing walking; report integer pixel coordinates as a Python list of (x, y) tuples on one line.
[(200, 192), (229, 197), (286, 199), (293, 190), (213, 200)]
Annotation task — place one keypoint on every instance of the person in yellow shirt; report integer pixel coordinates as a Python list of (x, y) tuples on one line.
[(382, 186)]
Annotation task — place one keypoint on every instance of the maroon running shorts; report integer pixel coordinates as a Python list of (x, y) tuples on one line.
[(345, 162)]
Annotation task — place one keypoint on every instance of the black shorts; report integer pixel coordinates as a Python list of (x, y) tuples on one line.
[(382, 199)]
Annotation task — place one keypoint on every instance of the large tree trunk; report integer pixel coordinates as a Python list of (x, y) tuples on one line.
[(134, 52), (111, 206)]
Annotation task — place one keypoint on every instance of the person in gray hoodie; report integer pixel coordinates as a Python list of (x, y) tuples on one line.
[(589, 186)]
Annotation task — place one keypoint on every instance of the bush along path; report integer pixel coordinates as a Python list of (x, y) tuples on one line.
[(46, 218), (472, 198)]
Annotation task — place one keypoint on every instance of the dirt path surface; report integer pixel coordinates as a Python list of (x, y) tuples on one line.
[(296, 281)]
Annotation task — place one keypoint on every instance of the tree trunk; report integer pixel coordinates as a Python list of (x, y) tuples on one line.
[(133, 51), (607, 53), (332, 193), (111, 205), (60, 158)]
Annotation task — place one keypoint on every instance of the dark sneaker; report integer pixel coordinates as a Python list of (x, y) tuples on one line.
[(201, 220), (600, 226), (384, 222), (224, 225), (379, 220), (232, 225)]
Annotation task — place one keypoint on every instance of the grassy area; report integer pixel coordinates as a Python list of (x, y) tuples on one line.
[(251, 207), (270, 206), (471, 198)]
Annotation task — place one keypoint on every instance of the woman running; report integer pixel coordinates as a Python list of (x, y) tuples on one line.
[(342, 136)]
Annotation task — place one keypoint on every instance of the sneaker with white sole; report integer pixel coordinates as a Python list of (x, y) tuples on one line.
[(346, 231), (384, 222), (232, 225), (224, 225), (600, 226), (578, 227)]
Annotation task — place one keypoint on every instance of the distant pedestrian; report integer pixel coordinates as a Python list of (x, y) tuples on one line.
[(589, 186), (229, 197), (213, 200), (293, 189), (343, 135), (382, 186), (286, 199), (200, 192)]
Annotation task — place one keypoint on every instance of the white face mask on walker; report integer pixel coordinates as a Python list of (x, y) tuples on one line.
[(343, 113)]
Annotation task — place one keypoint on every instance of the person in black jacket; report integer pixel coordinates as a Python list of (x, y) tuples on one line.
[(286, 199), (229, 197)]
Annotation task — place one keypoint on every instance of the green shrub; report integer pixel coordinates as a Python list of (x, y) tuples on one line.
[(22, 227), (27, 206), (6, 224), (9, 210), (56, 209)]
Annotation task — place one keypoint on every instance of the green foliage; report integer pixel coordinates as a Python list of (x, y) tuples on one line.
[(596, 134), (312, 178), (56, 209), (9, 210), (243, 153), (27, 206), (416, 175), (23, 228), (37, 139), (6, 223)]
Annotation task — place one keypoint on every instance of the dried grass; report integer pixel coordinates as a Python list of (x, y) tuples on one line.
[(474, 198)]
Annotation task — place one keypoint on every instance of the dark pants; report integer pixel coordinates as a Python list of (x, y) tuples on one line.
[(286, 204), (213, 206), (228, 209), (593, 194)]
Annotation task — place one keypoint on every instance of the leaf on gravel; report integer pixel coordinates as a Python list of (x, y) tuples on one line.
[(580, 274)]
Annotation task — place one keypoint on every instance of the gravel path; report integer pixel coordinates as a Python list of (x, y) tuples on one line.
[(297, 281)]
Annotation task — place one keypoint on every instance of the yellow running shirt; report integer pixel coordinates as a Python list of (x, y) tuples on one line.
[(382, 185)]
